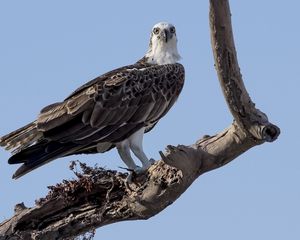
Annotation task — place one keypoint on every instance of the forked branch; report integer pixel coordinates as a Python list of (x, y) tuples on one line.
[(99, 197)]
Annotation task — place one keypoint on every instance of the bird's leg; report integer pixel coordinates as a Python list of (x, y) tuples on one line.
[(136, 146), (139, 153), (124, 152)]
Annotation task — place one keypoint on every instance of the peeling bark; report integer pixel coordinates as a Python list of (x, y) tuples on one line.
[(100, 197)]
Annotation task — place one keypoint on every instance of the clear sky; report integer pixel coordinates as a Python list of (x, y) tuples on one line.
[(47, 49)]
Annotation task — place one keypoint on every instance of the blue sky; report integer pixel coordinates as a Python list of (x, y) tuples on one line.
[(48, 49)]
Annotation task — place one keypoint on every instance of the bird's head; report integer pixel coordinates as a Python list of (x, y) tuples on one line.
[(163, 44)]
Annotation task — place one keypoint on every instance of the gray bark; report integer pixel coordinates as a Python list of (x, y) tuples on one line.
[(99, 197)]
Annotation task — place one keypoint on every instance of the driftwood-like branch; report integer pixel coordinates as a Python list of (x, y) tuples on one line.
[(254, 122), (99, 197)]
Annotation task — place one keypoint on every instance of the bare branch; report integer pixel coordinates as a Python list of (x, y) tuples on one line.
[(254, 122), (99, 197)]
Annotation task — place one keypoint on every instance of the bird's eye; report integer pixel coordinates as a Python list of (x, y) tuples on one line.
[(156, 31), (172, 30)]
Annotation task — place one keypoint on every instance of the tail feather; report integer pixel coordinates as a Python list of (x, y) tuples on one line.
[(30, 148), (21, 138), (39, 154)]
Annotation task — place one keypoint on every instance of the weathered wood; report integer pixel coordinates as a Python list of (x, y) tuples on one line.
[(100, 197), (254, 122)]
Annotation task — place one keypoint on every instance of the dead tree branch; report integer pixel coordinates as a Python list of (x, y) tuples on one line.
[(99, 197)]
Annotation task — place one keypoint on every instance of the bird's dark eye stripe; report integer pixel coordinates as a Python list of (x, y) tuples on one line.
[(156, 30)]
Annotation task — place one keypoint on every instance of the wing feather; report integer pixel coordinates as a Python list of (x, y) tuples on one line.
[(102, 112), (115, 104), (59, 113), (98, 116)]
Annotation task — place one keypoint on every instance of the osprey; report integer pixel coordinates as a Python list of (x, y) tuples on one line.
[(113, 110)]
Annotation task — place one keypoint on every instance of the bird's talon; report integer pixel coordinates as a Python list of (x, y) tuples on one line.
[(151, 161), (139, 170), (129, 178)]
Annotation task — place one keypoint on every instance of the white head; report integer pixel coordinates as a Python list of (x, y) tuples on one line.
[(163, 44)]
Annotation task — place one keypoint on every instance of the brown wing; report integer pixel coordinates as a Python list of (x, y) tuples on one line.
[(115, 106), (97, 115)]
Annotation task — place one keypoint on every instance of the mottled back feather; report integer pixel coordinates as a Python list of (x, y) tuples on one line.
[(101, 113)]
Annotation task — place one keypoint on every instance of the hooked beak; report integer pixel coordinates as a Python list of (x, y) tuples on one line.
[(166, 35)]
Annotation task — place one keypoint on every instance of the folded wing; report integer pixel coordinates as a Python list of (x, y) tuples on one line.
[(104, 111)]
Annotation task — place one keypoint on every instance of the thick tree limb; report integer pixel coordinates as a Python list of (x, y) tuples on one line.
[(254, 122), (99, 197)]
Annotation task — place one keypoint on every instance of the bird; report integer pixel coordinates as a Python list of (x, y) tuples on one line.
[(113, 110)]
